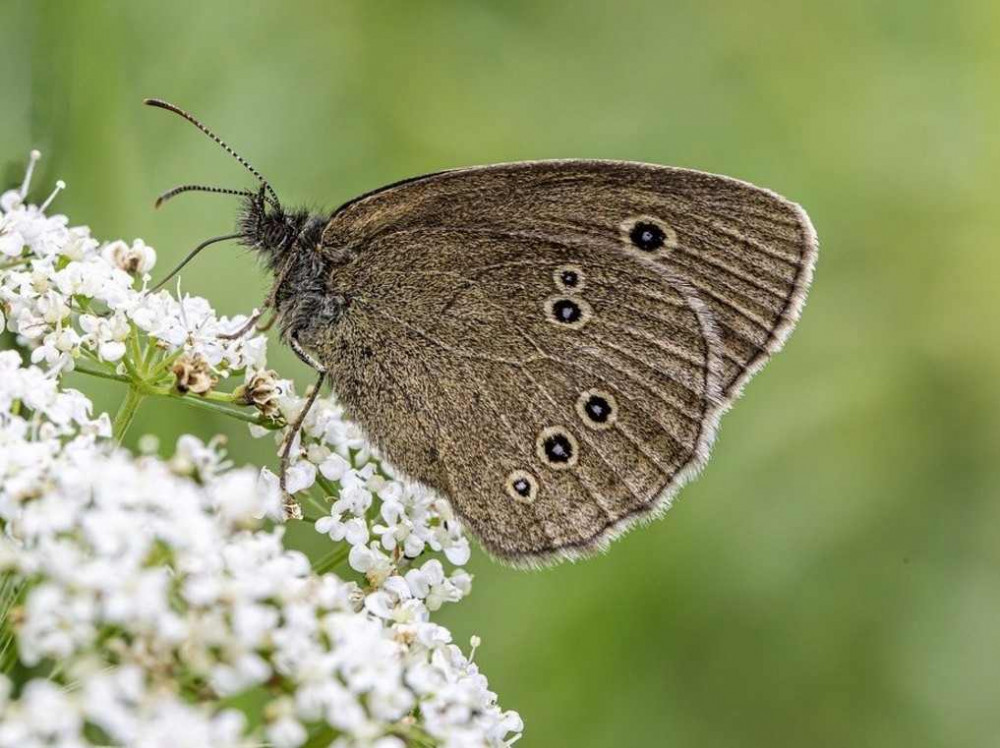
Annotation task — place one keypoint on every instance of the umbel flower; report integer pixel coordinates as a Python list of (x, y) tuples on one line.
[(157, 602)]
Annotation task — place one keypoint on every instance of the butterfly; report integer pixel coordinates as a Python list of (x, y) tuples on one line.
[(548, 344)]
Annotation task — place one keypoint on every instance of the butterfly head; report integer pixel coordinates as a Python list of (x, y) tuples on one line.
[(288, 242), (278, 235), (267, 228)]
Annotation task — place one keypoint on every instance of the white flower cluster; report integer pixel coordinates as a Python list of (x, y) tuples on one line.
[(155, 602), (409, 519), (68, 296)]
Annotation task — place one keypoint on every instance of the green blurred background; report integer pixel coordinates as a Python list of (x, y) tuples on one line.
[(833, 579)]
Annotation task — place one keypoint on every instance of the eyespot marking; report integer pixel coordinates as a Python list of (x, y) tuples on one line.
[(569, 278), (597, 409), (568, 311), (557, 448), (522, 486), (648, 234)]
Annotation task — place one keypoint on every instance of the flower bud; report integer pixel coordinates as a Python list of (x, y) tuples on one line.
[(193, 374), (262, 392)]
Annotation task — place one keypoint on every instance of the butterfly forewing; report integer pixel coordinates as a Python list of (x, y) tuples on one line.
[(748, 252), (549, 344)]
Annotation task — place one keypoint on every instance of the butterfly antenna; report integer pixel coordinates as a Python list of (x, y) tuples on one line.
[(172, 193), (191, 256), (159, 103)]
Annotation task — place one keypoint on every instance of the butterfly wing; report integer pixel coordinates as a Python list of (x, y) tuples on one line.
[(747, 252), (515, 340)]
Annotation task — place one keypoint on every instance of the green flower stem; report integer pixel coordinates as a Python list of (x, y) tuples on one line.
[(333, 559), (414, 736), (15, 263), (322, 509), (10, 594), (92, 356), (101, 374), (165, 364), (330, 489), (212, 401), (132, 343), (126, 412), (220, 397), (197, 401), (149, 355), (134, 374)]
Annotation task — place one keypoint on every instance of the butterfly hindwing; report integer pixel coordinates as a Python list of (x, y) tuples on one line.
[(491, 377)]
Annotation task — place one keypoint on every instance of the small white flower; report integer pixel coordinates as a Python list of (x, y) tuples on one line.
[(137, 259), (371, 562), (106, 335), (334, 467), (354, 530), (300, 476), (11, 241)]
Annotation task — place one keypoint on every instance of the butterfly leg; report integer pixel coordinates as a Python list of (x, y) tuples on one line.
[(292, 508), (305, 357)]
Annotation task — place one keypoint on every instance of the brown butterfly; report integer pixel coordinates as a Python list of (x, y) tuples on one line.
[(548, 344)]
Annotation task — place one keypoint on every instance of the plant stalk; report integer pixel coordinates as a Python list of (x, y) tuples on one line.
[(126, 412)]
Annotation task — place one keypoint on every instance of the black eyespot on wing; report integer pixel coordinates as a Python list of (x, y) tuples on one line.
[(522, 486), (647, 236), (597, 409), (568, 312), (557, 448), (569, 278)]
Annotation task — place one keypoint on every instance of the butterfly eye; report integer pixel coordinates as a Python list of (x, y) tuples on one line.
[(573, 313), (569, 278), (597, 409), (557, 447), (522, 486), (649, 234)]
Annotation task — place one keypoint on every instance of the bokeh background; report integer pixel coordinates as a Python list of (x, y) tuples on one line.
[(833, 578)]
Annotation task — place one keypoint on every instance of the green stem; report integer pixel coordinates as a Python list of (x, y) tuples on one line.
[(196, 401), (219, 397), (102, 374), (149, 355), (321, 508), (330, 489), (10, 595), (132, 343), (134, 375), (209, 401), (126, 412), (15, 263), (333, 559), (165, 363)]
